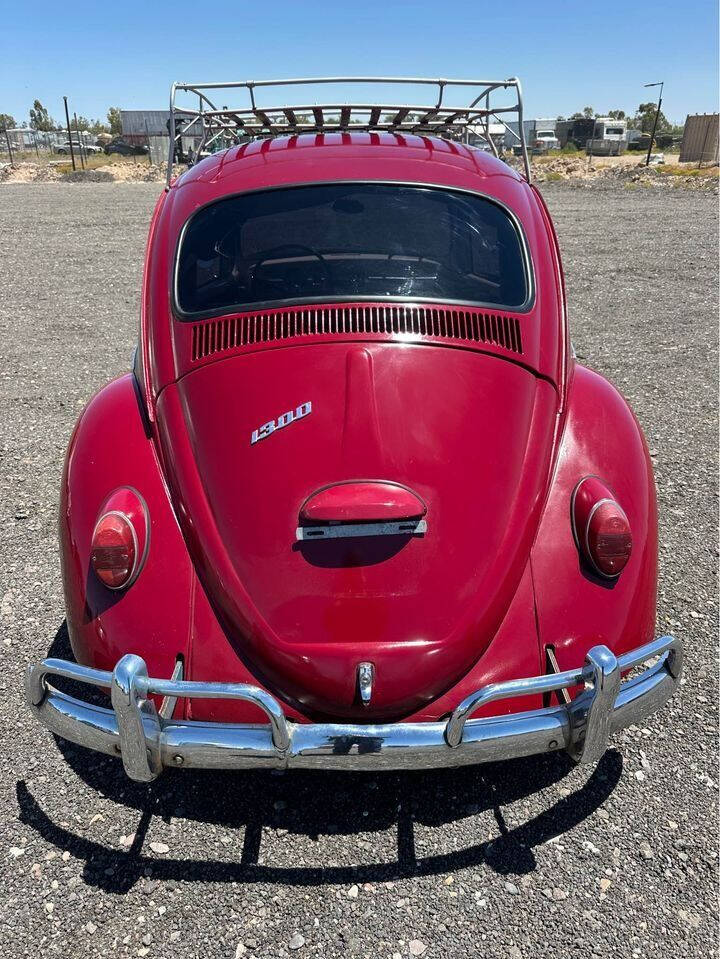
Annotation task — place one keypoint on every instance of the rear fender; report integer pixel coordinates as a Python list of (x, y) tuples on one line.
[(575, 608), (111, 448)]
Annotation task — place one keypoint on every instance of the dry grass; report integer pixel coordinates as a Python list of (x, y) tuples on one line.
[(102, 160), (683, 169)]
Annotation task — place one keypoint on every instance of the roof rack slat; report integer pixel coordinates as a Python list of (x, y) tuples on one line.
[(454, 117), (265, 119), (427, 118)]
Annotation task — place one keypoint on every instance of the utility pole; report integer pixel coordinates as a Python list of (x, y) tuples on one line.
[(655, 121), (67, 118), (7, 138), (80, 144), (147, 134)]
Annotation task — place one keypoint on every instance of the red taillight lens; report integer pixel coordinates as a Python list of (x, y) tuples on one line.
[(121, 538), (114, 550), (601, 527), (609, 540)]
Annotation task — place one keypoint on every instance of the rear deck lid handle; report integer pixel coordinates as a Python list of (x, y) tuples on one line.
[(362, 501)]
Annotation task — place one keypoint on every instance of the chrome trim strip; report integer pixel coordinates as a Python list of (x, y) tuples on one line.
[(402, 527), (148, 742)]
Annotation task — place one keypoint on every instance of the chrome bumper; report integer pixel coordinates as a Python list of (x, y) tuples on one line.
[(148, 742)]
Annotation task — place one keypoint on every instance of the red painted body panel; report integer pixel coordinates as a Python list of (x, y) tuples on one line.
[(421, 608), (576, 609), (492, 442), (514, 651), (110, 448)]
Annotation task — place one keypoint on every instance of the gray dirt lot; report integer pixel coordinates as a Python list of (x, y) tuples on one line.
[(529, 859)]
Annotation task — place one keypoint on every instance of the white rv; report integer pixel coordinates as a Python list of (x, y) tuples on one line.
[(609, 137)]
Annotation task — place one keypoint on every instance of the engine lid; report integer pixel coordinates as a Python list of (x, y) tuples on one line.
[(261, 444)]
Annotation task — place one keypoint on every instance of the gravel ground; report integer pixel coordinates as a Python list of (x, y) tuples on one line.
[(527, 859)]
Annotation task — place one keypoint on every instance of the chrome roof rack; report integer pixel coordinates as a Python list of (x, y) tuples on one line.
[(251, 120)]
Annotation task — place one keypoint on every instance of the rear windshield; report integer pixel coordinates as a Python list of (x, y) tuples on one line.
[(349, 241)]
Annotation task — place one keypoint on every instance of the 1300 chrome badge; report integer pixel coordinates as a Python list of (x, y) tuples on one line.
[(286, 419)]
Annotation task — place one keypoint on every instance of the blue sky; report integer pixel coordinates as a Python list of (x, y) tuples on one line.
[(568, 54)]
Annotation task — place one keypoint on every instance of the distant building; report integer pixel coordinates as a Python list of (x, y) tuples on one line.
[(700, 142), (151, 128), (144, 123), (138, 125)]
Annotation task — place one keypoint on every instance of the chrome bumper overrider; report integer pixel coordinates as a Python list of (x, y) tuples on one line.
[(147, 742)]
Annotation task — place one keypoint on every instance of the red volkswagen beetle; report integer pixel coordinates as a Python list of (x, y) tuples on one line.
[(357, 506)]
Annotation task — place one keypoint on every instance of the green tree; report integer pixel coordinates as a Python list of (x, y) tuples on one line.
[(645, 117), (587, 114), (617, 114), (113, 116), (7, 121), (40, 119)]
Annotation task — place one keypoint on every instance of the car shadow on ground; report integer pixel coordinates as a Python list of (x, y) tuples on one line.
[(318, 804)]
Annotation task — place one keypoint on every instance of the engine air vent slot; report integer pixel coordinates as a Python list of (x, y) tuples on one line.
[(464, 326)]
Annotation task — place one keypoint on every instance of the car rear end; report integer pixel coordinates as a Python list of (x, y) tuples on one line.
[(344, 445)]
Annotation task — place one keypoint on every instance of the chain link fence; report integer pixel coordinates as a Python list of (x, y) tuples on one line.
[(25, 144)]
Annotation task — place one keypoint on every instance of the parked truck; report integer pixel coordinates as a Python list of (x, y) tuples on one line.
[(539, 136)]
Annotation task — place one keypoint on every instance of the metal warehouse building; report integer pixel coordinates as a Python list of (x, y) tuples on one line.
[(700, 138), (152, 129)]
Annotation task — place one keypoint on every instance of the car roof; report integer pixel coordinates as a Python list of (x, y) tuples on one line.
[(285, 160)]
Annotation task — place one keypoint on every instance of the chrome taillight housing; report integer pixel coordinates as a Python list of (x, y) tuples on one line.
[(120, 539), (601, 527)]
